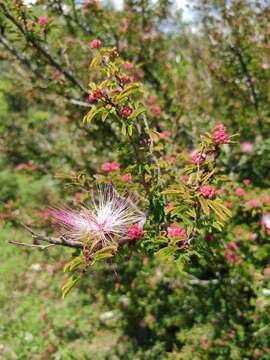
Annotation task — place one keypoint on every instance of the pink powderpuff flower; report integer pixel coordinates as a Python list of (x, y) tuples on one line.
[(43, 21), (95, 44), (126, 178), (207, 191), (165, 134), (126, 111), (175, 231), (231, 252), (246, 147), (106, 220), (240, 192), (253, 203), (135, 232), (108, 167), (246, 181)]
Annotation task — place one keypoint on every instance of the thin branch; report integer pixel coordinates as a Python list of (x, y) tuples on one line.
[(41, 247)]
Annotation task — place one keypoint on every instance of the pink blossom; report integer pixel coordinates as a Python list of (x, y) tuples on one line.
[(126, 177), (165, 134), (231, 252), (253, 203), (246, 147), (169, 205), (175, 231), (152, 100), (96, 95), (220, 137), (95, 44), (108, 167), (197, 157), (246, 181), (135, 232), (126, 111), (155, 110), (128, 66), (126, 79), (229, 204), (43, 21), (240, 192), (108, 218), (207, 191)]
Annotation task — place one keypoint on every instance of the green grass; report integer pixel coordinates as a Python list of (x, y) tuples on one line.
[(35, 322)]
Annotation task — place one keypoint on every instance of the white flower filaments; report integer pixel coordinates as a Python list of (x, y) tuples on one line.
[(104, 222)]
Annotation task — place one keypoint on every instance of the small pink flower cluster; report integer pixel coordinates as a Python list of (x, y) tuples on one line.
[(95, 44), (175, 231), (43, 21), (128, 66), (208, 191), (231, 252), (197, 157), (108, 167), (126, 111), (126, 79), (155, 109), (96, 95), (220, 135), (252, 203), (135, 232), (126, 178), (240, 192)]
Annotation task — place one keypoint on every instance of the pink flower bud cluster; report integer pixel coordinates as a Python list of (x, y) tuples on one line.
[(155, 109), (126, 111), (95, 44), (220, 135), (110, 167), (126, 178), (96, 95), (126, 79), (208, 191), (231, 252), (240, 192), (175, 231), (135, 232), (43, 21)]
